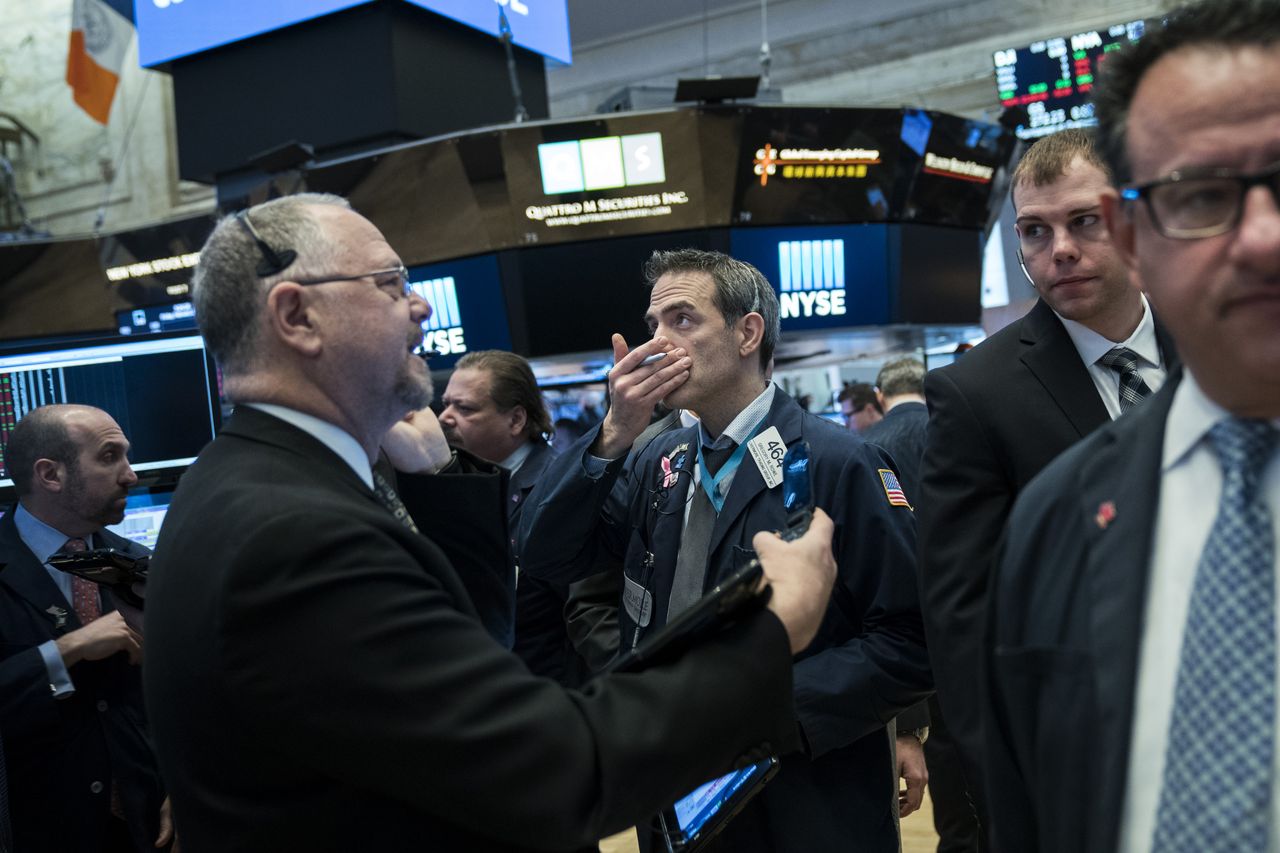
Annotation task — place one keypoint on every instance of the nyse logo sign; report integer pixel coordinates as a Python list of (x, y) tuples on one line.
[(811, 278), (442, 331), (602, 163)]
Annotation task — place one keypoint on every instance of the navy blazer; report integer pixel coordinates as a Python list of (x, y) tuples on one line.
[(58, 749), (868, 661), (1065, 629)]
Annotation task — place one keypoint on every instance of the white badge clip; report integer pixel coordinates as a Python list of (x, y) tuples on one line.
[(767, 450)]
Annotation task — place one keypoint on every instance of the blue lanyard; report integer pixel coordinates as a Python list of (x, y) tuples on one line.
[(711, 485)]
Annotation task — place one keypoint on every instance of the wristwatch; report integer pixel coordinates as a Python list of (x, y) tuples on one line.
[(921, 734)]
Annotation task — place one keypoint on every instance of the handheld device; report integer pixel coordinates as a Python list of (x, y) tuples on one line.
[(797, 490), (107, 567), (694, 819)]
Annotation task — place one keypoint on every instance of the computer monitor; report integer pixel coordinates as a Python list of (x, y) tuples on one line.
[(144, 513), (160, 388)]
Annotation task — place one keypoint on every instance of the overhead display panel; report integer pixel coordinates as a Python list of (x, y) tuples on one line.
[(539, 25), (947, 168), (826, 276), (583, 180), (170, 29), (1052, 78), (816, 165)]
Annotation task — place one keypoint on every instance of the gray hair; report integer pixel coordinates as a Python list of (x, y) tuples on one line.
[(1208, 24), (901, 376), (740, 289), (226, 290)]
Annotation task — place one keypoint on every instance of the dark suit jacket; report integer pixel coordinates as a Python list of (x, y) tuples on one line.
[(541, 638), (867, 662), (1066, 625), (319, 680), (900, 433), (56, 749), (998, 415)]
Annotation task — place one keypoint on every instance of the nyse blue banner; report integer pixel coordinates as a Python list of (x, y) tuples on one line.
[(169, 29), (467, 308), (825, 276), (539, 25)]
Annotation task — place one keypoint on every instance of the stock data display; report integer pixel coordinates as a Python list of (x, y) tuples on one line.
[(947, 168), (1052, 78), (159, 390)]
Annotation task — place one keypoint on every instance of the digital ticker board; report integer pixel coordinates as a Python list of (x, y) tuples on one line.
[(1052, 78)]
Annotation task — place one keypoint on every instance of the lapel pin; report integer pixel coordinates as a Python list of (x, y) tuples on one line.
[(1106, 514), (59, 615)]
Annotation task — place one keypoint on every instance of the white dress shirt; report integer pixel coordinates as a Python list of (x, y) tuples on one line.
[(1093, 346), (1190, 489), (332, 437)]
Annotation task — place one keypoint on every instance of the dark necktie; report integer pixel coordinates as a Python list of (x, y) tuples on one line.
[(84, 593), (388, 497), (1217, 779), (695, 541), (1133, 390)]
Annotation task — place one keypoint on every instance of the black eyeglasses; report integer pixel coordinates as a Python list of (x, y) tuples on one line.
[(1203, 203), (395, 280)]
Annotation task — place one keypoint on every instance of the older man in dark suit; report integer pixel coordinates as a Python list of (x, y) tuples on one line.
[(1086, 352), (1133, 670), (81, 775), (318, 676)]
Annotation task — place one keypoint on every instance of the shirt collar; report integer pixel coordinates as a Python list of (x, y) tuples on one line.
[(513, 462), (40, 538), (1093, 346), (1191, 415), (739, 429), (336, 439)]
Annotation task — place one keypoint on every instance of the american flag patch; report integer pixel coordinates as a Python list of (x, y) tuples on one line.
[(892, 488)]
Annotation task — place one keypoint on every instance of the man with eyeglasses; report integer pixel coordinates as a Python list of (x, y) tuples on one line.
[(1133, 623), (318, 674), (999, 415)]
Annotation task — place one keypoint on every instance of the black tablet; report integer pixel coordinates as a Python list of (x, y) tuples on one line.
[(696, 818)]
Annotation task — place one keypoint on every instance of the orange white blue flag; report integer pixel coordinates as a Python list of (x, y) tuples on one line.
[(100, 34)]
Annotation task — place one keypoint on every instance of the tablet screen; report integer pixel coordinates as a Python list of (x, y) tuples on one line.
[(695, 810)]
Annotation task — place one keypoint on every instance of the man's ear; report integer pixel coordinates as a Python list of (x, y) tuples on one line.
[(289, 316), (50, 475), (880, 399), (752, 332), (518, 418), (1119, 220)]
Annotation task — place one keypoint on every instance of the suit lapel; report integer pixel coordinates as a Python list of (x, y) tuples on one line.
[(27, 577), (1119, 494), (747, 481), (1051, 356)]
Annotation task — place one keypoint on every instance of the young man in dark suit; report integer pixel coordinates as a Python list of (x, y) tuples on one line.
[(1005, 409), (318, 675), (81, 775), (1133, 644), (681, 519), (494, 409)]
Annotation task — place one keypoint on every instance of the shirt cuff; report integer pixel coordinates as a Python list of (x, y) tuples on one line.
[(59, 678), (594, 466)]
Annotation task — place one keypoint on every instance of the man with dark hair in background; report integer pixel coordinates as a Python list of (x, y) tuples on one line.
[(859, 406), (1132, 688), (494, 408), (681, 517), (318, 674), (1087, 351), (81, 775)]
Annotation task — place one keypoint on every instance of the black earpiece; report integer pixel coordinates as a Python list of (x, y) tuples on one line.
[(273, 262)]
